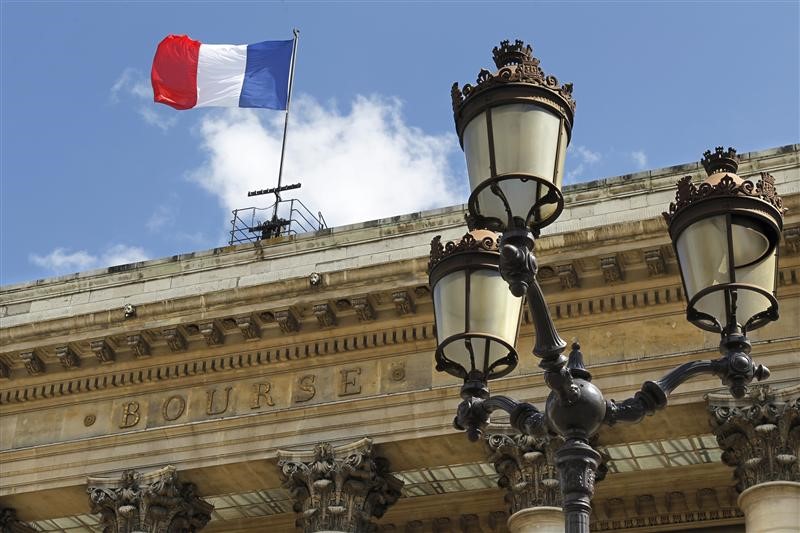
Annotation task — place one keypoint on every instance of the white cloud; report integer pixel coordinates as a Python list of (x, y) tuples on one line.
[(61, 261), (161, 217), (640, 159), (360, 165), (133, 84), (585, 157)]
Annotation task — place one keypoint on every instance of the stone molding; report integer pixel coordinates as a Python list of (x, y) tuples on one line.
[(339, 488), (220, 363), (759, 434), (670, 508), (155, 502), (9, 523), (527, 469)]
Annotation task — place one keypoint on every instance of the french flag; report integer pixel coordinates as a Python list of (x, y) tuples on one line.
[(187, 74)]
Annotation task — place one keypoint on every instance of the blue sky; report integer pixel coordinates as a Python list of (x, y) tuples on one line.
[(92, 173)]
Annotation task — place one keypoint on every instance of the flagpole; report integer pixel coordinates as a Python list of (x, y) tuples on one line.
[(296, 33)]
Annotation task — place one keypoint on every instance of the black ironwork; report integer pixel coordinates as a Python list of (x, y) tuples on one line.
[(284, 218), (575, 408)]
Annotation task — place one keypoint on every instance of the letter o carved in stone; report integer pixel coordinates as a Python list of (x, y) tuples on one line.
[(173, 407)]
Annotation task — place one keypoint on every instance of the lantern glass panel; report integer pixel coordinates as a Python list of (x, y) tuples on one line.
[(493, 309), (449, 300), (526, 140), (476, 150), (761, 274), (750, 244), (493, 312), (703, 255)]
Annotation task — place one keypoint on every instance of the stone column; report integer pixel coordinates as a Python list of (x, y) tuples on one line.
[(760, 438), (155, 502), (339, 489), (9, 523), (527, 468)]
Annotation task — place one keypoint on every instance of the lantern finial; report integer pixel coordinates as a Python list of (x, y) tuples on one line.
[(512, 54), (720, 161)]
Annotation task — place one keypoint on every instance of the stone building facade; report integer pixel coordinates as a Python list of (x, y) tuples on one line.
[(289, 385)]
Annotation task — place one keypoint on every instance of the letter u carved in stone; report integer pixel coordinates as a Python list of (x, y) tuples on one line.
[(210, 401)]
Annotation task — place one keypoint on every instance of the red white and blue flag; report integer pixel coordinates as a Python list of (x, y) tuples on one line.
[(187, 74)]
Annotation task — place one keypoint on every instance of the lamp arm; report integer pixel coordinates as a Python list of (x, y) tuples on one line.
[(518, 267), (549, 348), (731, 368), (473, 416)]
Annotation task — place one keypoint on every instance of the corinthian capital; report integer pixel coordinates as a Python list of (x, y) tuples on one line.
[(155, 502), (10, 524), (527, 468), (339, 488), (759, 434)]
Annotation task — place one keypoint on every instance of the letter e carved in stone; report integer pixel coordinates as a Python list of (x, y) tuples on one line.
[(350, 383)]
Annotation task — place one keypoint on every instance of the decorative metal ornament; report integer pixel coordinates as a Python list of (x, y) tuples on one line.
[(726, 233)]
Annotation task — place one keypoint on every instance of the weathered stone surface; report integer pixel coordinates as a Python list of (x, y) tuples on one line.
[(527, 468), (339, 489), (155, 502), (759, 434)]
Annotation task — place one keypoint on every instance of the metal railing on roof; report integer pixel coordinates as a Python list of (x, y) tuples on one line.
[(251, 224)]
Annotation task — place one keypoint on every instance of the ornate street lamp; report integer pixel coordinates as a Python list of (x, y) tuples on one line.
[(514, 126), (477, 319)]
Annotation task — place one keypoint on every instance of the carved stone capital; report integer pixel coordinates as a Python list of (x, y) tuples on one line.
[(656, 265), (339, 489), (286, 320), (568, 276), (612, 271), (248, 326), (211, 333), (139, 345), (103, 351), (33, 364), (791, 237), (527, 468), (69, 359), (363, 308), (759, 434), (155, 502), (175, 339), (325, 315), (9, 523), (403, 303)]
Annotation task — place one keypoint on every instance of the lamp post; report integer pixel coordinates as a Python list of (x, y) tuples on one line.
[(514, 126)]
